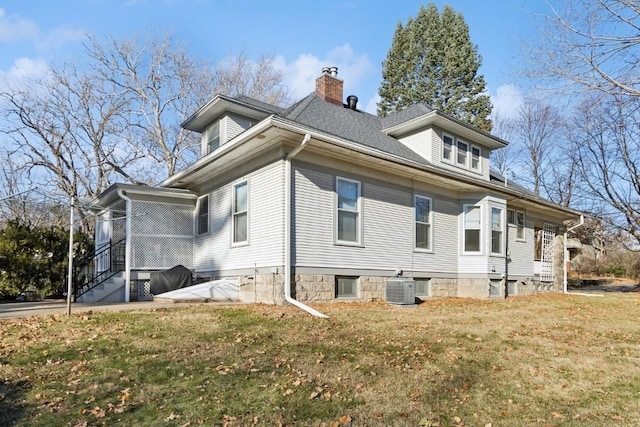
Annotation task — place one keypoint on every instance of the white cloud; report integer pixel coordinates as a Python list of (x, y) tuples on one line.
[(22, 70), (372, 105), (60, 36), (506, 101), (14, 28), (300, 74)]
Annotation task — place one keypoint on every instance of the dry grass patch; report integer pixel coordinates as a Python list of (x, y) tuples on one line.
[(547, 360)]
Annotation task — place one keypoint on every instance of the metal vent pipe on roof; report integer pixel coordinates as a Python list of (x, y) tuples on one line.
[(352, 101), (333, 71)]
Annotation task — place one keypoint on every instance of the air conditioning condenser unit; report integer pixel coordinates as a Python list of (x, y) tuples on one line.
[(400, 291)]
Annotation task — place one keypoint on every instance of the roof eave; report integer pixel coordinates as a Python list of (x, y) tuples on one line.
[(448, 123)]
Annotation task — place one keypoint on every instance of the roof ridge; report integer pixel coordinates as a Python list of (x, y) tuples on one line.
[(296, 109)]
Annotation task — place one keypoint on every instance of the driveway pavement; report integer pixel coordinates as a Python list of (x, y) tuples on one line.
[(14, 310)]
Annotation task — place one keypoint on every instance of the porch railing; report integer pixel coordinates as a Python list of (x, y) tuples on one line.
[(96, 268)]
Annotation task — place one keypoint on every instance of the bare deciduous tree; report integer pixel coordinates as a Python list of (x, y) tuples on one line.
[(537, 126), (116, 117), (607, 146), (504, 159), (591, 44), (238, 75)]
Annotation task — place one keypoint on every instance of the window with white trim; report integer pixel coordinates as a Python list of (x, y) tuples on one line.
[(447, 148), (517, 219), (472, 227), (348, 210), (476, 155), (496, 230), (240, 211), (422, 208), (213, 137), (463, 147), (202, 220)]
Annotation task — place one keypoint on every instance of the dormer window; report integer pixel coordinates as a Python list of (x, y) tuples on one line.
[(475, 157), (447, 148), (462, 153), (213, 137)]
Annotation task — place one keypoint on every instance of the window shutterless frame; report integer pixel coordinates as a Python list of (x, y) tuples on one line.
[(240, 213), (472, 229), (448, 144), (497, 231), (202, 215), (348, 212), (423, 221)]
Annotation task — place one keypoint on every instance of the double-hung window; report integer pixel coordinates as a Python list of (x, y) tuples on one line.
[(462, 153), (516, 218), (472, 227), (496, 231), (213, 137), (422, 206), (202, 220), (447, 148), (348, 210), (240, 211), (475, 158)]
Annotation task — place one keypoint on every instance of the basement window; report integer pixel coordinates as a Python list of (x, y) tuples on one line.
[(346, 287)]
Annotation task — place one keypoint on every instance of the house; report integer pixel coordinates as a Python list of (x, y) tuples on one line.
[(325, 202)]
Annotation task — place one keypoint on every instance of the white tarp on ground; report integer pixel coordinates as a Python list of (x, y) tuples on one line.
[(223, 290)]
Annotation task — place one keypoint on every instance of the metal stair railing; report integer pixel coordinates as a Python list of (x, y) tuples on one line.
[(85, 274)]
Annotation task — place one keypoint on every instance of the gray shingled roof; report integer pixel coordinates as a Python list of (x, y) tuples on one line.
[(353, 125), (259, 104), (411, 112)]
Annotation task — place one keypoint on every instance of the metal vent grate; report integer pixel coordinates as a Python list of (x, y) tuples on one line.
[(400, 291)]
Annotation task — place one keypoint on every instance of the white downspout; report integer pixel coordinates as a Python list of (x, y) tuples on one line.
[(566, 251), (287, 231), (127, 250)]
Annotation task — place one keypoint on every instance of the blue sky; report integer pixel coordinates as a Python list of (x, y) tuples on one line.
[(303, 35)]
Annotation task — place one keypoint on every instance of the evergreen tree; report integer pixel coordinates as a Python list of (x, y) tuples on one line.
[(433, 61)]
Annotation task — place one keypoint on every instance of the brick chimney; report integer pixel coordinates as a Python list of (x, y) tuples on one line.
[(329, 86)]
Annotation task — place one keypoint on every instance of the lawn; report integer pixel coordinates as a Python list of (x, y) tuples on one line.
[(548, 360)]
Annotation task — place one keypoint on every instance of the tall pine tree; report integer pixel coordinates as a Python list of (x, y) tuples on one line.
[(433, 61)]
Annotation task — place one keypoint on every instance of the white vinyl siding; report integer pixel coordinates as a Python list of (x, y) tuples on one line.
[(421, 143), (521, 252), (212, 252), (388, 227), (235, 125)]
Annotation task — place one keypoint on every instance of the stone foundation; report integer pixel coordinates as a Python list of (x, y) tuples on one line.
[(269, 288), (444, 288), (473, 288)]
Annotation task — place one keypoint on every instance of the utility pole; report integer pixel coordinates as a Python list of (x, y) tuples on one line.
[(70, 278)]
